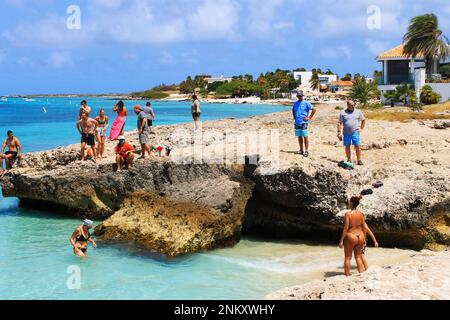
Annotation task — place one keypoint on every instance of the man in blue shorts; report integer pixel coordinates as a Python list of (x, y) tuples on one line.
[(303, 112), (351, 123)]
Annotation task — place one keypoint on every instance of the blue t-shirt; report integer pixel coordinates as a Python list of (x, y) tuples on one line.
[(301, 110)]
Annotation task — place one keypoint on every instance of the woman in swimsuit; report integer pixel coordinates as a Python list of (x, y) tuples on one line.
[(103, 123), (80, 238), (353, 238)]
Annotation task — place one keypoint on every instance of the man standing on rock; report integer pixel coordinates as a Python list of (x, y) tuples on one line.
[(303, 112), (87, 127), (352, 122), (143, 130)]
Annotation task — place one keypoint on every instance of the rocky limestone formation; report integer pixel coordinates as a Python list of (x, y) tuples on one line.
[(422, 278), (165, 203)]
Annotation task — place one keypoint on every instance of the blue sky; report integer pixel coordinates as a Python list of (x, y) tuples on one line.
[(127, 45)]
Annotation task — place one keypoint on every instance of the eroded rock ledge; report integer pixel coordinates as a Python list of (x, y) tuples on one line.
[(177, 208)]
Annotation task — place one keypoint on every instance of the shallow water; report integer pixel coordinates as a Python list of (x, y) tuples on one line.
[(35, 253)]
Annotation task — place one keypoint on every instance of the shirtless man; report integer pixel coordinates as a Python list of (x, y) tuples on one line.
[(14, 151), (84, 109), (87, 126)]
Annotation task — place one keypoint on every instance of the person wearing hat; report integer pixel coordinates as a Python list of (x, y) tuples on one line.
[(80, 238), (303, 112), (124, 154), (351, 123), (143, 130)]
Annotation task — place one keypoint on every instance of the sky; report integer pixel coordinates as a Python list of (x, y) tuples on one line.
[(120, 46)]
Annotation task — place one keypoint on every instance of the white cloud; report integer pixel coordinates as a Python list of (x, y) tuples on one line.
[(262, 16), (283, 25), (337, 52), (376, 47), (166, 58), (2, 55), (216, 19), (60, 59), (26, 62)]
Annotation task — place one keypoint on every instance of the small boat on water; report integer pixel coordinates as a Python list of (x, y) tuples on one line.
[(4, 99), (29, 100)]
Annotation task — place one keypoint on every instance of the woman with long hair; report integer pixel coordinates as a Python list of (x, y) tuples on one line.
[(117, 129)]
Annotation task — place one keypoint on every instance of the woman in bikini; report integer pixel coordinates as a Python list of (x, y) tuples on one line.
[(103, 123), (353, 238), (80, 238)]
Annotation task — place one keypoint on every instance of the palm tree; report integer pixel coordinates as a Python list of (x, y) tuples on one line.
[(424, 37), (315, 82), (362, 91)]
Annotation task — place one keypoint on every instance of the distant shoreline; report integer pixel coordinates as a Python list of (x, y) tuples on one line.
[(180, 98)]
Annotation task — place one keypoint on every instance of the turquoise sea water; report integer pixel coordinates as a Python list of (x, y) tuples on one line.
[(35, 254)]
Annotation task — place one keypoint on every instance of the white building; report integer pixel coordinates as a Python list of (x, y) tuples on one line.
[(222, 78), (327, 78), (399, 69), (305, 80)]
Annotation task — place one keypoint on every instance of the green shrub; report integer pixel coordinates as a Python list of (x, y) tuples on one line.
[(428, 96)]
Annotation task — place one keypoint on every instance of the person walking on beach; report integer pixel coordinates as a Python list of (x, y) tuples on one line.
[(14, 151), (150, 116), (124, 154), (303, 112), (117, 129), (103, 123), (84, 109), (351, 123), (353, 238), (87, 127), (81, 237), (143, 130), (196, 111)]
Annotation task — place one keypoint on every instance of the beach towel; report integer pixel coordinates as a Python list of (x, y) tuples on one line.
[(117, 128)]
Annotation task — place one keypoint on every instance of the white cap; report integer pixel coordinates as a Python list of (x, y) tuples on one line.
[(88, 222), (121, 138)]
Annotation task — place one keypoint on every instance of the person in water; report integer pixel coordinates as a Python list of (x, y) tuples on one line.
[(124, 154), (117, 129), (103, 123), (81, 237), (84, 109), (143, 130), (353, 238), (196, 111), (87, 127), (14, 151)]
